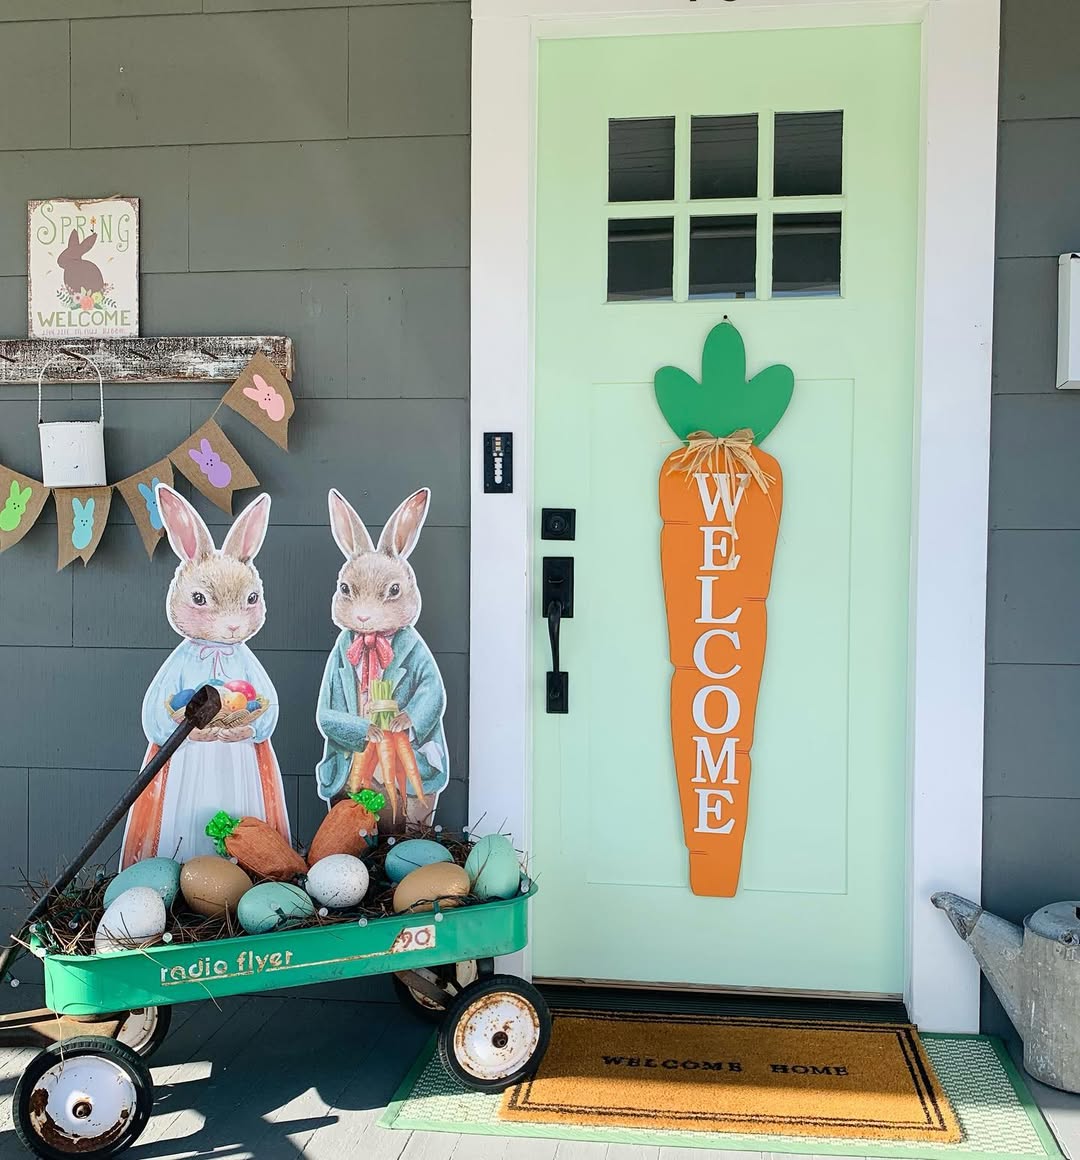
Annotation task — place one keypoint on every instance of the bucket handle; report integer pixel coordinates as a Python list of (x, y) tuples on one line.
[(85, 359)]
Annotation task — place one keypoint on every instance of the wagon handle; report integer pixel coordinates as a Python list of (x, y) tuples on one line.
[(203, 707)]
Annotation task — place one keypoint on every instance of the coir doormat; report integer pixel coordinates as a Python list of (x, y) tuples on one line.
[(863, 1081), (998, 1118)]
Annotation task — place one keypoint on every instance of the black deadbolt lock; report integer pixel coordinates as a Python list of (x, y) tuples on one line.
[(557, 523)]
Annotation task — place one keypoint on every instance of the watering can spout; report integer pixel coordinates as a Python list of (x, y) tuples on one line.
[(997, 946)]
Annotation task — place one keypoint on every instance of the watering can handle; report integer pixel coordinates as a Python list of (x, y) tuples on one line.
[(72, 354)]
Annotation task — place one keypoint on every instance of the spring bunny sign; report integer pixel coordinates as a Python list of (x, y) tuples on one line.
[(83, 259), (215, 602), (382, 698)]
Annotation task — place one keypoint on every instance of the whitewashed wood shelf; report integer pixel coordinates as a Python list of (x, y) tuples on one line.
[(210, 359)]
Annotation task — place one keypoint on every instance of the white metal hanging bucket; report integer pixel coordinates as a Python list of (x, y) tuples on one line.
[(73, 451)]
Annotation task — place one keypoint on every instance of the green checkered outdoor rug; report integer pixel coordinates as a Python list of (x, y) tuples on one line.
[(995, 1109)]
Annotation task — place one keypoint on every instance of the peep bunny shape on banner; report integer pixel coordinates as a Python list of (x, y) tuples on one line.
[(215, 602), (382, 699)]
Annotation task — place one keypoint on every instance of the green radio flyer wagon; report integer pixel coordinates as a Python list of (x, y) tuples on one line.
[(92, 1095)]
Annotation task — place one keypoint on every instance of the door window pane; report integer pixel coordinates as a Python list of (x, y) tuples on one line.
[(806, 255), (723, 256), (808, 154), (723, 156), (641, 159), (640, 259)]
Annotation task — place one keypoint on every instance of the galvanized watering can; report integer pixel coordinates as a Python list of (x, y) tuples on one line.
[(1035, 972)]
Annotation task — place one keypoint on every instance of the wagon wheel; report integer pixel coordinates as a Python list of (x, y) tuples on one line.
[(86, 1097), (144, 1029), (495, 1033), (452, 978)]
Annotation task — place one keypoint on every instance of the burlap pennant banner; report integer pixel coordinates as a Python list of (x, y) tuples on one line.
[(262, 396), (138, 493), (81, 513), (22, 500), (213, 465)]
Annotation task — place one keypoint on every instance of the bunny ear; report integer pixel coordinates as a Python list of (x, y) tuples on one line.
[(89, 508), (25, 495), (403, 527), (76, 505), (145, 491), (73, 240), (14, 492), (350, 535), (205, 448), (189, 537), (245, 537), (88, 243)]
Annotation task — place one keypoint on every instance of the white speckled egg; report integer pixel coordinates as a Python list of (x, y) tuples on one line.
[(493, 868), (338, 881), (271, 905), (405, 857), (160, 874), (136, 918)]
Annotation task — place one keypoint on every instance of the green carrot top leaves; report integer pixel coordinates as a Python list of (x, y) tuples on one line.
[(724, 401)]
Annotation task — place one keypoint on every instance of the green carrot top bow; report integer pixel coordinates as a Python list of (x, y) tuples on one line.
[(369, 799), (220, 826)]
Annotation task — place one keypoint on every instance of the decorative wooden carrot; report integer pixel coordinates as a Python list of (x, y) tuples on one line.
[(720, 501)]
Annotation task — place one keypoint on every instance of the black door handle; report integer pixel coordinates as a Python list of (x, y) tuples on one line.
[(557, 602), (558, 682)]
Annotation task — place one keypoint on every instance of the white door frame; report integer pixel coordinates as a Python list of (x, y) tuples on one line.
[(952, 451)]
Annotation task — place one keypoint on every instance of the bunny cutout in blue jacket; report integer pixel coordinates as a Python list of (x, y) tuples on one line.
[(376, 604)]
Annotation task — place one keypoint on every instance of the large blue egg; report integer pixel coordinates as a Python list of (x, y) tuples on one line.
[(160, 874), (405, 857), (181, 699), (271, 905), (493, 868)]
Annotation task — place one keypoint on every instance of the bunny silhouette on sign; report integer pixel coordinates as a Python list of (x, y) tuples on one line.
[(150, 499), (268, 400), (82, 526), (79, 272), (216, 470), (14, 507), (215, 602), (395, 743)]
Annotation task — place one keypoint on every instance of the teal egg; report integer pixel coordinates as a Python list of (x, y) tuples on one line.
[(493, 868), (271, 905), (160, 874), (404, 857)]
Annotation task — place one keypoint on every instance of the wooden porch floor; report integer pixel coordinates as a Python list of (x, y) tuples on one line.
[(304, 1075)]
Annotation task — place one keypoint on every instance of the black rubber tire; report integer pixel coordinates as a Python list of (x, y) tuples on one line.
[(163, 1022), (447, 976), (96, 1045), (459, 1011)]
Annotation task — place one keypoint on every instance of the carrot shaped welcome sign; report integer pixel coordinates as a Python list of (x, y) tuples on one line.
[(720, 501)]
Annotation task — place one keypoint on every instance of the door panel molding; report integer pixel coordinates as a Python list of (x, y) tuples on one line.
[(951, 468)]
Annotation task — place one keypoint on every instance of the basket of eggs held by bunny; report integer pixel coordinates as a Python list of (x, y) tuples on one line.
[(434, 910), (241, 704)]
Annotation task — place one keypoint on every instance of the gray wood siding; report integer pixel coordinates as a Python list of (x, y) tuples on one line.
[(1032, 783), (303, 169)]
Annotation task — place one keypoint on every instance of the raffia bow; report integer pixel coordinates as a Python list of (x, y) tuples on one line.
[(704, 451)]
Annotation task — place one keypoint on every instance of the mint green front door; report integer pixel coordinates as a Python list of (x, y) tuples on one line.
[(771, 177)]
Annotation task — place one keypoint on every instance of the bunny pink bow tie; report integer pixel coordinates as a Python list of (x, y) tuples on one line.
[(215, 653), (370, 653)]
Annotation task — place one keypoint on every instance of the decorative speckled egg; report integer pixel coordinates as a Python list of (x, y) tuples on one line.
[(212, 885), (493, 868), (160, 874), (271, 905), (444, 881), (405, 857), (136, 918), (338, 881)]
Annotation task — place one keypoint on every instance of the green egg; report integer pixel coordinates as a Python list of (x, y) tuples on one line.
[(493, 868), (160, 874), (271, 905), (404, 857)]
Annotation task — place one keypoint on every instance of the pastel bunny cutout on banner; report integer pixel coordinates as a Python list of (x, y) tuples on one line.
[(14, 507), (216, 470), (147, 491), (82, 528), (268, 399)]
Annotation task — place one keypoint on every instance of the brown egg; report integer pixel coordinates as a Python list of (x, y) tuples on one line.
[(444, 881), (212, 885)]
